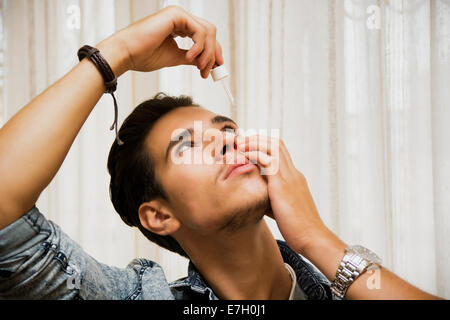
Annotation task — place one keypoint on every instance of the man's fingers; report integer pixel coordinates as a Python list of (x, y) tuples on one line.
[(261, 150), (181, 58), (188, 25), (205, 51), (207, 59), (198, 47), (260, 158), (258, 143), (206, 71), (267, 164), (219, 55)]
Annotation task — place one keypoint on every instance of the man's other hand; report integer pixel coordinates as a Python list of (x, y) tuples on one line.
[(292, 205)]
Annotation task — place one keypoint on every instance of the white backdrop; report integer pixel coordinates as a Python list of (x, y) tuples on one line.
[(359, 90)]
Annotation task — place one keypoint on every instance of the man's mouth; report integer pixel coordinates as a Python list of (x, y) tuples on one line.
[(238, 168)]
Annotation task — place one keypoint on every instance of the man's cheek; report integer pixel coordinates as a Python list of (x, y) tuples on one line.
[(202, 216)]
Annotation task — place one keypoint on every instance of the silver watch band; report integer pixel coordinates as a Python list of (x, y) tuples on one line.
[(351, 266)]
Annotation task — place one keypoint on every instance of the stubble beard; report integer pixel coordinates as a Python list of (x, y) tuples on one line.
[(248, 214)]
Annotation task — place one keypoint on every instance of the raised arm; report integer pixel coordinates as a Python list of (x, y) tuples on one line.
[(35, 142)]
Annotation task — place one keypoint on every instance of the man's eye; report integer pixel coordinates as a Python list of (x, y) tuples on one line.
[(188, 144), (230, 130)]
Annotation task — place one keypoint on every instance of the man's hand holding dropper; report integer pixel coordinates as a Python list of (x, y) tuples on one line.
[(35, 142)]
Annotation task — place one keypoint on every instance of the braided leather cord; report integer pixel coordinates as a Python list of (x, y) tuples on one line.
[(93, 54)]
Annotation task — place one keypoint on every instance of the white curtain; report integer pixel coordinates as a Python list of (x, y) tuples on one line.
[(358, 89)]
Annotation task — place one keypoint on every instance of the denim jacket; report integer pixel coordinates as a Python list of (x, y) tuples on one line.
[(39, 261)]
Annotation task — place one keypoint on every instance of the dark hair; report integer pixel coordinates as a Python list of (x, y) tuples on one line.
[(133, 179)]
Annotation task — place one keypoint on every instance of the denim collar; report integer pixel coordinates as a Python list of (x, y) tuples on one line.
[(313, 283)]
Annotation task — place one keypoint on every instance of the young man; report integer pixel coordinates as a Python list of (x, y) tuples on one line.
[(210, 212)]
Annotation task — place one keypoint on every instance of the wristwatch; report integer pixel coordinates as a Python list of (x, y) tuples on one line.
[(356, 260)]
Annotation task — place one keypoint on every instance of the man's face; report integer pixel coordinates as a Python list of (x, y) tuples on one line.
[(192, 172)]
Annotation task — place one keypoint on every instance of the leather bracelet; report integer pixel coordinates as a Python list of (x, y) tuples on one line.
[(93, 54)]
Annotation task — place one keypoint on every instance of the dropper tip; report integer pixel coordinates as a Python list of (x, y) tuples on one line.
[(229, 94)]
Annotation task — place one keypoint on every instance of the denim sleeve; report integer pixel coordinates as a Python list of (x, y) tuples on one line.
[(39, 261), (322, 279)]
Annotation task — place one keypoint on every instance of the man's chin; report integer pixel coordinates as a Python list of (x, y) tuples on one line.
[(249, 213), (247, 186)]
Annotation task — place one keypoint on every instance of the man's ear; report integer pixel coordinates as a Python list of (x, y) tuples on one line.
[(156, 217)]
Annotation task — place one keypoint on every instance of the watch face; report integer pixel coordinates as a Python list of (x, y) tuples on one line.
[(365, 254)]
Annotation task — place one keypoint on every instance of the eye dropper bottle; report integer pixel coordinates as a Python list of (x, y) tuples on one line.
[(219, 74)]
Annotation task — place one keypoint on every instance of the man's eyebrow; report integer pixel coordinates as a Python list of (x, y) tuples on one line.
[(190, 132), (221, 119)]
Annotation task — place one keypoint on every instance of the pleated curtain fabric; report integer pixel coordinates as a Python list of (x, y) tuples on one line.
[(358, 91)]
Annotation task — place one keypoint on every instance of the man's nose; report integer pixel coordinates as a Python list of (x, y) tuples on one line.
[(225, 148)]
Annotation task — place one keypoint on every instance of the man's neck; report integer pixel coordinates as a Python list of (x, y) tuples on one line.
[(246, 264)]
